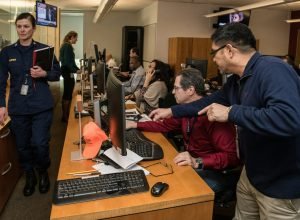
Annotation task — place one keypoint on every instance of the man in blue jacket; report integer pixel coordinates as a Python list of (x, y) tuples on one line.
[(262, 98), (30, 103)]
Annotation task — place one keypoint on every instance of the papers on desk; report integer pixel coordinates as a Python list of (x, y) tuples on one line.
[(125, 162), (134, 115), (106, 169)]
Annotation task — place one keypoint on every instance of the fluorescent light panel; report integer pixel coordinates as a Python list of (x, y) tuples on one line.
[(250, 6), (292, 20), (104, 7)]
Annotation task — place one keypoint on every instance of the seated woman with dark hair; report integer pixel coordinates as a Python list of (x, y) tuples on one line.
[(154, 87)]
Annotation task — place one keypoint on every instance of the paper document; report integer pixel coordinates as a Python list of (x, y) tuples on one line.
[(125, 162), (106, 169)]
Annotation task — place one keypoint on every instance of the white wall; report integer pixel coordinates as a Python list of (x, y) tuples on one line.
[(272, 31), (73, 23), (148, 19), (107, 33)]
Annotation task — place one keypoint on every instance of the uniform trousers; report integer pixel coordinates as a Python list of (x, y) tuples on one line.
[(32, 135)]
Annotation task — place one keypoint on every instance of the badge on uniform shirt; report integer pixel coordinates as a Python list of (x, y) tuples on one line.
[(24, 89), (25, 86)]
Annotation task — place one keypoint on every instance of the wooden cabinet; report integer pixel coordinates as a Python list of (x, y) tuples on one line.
[(9, 166), (181, 48)]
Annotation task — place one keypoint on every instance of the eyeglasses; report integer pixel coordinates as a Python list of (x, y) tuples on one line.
[(165, 165), (177, 87), (214, 52)]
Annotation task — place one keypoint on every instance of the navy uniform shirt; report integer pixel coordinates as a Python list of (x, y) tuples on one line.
[(16, 61)]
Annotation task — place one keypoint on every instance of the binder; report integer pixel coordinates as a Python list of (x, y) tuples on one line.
[(44, 58)]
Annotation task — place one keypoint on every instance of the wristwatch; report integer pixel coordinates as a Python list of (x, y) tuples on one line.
[(199, 162)]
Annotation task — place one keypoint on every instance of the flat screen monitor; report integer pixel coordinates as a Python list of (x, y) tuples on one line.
[(239, 16), (100, 77), (46, 15), (104, 55), (96, 53), (116, 112), (90, 66), (200, 65)]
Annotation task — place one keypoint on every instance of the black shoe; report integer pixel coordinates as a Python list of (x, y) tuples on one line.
[(30, 183), (44, 182)]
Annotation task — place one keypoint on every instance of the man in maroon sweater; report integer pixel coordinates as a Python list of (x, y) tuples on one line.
[(210, 147)]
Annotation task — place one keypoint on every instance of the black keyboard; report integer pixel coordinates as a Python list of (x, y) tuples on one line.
[(142, 146), (99, 187)]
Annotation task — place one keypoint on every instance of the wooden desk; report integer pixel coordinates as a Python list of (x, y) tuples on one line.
[(188, 196)]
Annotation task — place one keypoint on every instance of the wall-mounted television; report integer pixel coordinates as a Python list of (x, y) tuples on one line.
[(46, 15), (239, 16)]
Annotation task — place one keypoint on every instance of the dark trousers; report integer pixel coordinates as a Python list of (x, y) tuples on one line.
[(219, 181), (69, 84), (32, 134)]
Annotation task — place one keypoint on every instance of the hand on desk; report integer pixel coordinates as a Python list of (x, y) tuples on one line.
[(185, 159), (130, 124)]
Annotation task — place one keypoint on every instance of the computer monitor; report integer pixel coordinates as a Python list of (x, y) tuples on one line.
[(116, 112), (90, 66), (104, 55), (96, 53), (100, 77), (198, 64)]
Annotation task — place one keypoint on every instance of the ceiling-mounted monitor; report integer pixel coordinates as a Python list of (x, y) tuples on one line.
[(46, 15)]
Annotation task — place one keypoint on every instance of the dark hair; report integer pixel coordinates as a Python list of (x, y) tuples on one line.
[(28, 16), (237, 34), (135, 50), (160, 71), (69, 36), (192, 77)]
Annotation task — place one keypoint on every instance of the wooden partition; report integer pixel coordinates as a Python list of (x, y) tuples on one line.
[(181, 48)]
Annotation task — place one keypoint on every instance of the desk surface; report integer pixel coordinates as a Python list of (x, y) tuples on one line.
[(188, 195)]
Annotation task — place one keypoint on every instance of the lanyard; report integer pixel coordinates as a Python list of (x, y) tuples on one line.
[(189, 130)]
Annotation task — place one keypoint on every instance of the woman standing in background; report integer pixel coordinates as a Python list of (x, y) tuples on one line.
[(68, 68)]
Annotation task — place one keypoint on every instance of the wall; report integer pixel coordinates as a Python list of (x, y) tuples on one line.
[(272, 30), (187, 20), (107, 33), (148, 19)]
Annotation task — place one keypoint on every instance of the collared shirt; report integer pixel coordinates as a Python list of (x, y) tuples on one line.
[(214, 142), (136, 81)]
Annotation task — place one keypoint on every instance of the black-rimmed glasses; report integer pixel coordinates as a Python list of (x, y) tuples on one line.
[(213, 52), (165, 165)]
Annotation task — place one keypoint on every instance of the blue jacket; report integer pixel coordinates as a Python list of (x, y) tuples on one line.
[(266, 108), (17, 60)]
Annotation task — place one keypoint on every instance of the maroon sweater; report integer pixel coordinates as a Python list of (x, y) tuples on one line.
[(214, 142)]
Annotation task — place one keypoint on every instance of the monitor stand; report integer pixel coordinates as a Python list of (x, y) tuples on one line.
[(77, 155)]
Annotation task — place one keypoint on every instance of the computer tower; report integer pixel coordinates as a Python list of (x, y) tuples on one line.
[(132, 36)]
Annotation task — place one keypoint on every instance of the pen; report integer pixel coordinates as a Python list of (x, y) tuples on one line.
[(81, 172), (86, 174)]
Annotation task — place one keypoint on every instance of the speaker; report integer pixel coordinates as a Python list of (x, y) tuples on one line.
[(132, 36)]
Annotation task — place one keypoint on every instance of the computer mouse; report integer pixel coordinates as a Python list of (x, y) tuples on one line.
[(159, 188)]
